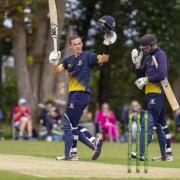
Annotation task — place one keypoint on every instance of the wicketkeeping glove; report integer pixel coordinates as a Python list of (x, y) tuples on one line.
[(110, 38), (136, 57), (54, 57), (141, 82)]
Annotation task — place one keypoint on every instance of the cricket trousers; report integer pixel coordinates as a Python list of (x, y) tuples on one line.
[(155, 105), (77, 102)]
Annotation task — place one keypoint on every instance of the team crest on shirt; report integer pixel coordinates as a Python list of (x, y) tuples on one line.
[(152, 101), (71, 105), (69, 66), (152, 63), (80, 62)]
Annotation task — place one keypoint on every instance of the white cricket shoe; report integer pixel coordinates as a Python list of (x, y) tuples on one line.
[(134, 156), (72, 157), (169, 158)]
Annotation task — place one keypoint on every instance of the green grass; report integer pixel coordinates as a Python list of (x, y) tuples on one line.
[(6, 175), (112, 154)]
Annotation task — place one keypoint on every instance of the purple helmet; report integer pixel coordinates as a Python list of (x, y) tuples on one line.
[(106, 23), (146, 40)]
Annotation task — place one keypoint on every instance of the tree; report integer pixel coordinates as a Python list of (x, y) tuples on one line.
[(115, 81), (31, 46), (133, 19)]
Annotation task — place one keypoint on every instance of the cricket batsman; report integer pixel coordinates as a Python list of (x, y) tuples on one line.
[(150, 77), (79, 67)]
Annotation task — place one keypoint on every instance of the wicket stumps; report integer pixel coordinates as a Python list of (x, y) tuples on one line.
[(129, 141), (138, 122), (145, 142), (138, 143)]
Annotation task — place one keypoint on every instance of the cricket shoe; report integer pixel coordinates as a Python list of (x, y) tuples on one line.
[(97, 151), (134, 156), (169, 157), (72, 157), (142, 158)]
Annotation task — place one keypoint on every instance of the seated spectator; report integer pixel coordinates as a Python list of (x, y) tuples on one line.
[(177, 118), (50, 116), (134, 107), (22, 118), (107, 121), (124, 124), (86, 116)]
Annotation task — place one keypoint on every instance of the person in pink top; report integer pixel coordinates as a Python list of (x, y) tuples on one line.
[(22, 118), (107, 121)]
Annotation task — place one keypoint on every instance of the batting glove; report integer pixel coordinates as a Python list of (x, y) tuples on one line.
[(54, 57), (110, 38), (136, 57), (141, 82)]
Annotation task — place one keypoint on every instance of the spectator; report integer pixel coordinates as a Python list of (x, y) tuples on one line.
[(86, 116), (177, 117), (107, 121), (134, 107), (22, 118), (124, 122), (50, 116)]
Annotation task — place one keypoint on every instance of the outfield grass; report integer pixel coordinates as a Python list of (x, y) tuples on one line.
[(112, 154)]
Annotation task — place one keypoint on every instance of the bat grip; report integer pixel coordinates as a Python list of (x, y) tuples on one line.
[(55, 44)]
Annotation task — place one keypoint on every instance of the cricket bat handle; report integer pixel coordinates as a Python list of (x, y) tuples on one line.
[(55, 43)]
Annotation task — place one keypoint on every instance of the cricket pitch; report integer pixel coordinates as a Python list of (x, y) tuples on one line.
[(45, 167)]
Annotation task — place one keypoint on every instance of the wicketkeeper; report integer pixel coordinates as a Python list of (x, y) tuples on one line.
[(79, 68), (150, 76)]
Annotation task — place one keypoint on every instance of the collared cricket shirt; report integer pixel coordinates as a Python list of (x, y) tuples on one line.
[(79, 70)]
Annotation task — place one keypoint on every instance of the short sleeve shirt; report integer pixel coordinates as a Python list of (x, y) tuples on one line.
[(17, 110), (79, 70)]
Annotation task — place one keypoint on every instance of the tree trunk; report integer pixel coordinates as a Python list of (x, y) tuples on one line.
[(47, 76), (48, 87), (1, 54), (21, 70), (60, 11), (38, 50), (104, 87), (62, 79)]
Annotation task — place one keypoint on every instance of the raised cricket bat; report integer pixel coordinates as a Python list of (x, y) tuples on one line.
[(168, 90), (54, 23)]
